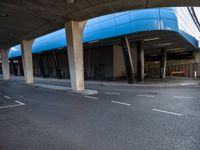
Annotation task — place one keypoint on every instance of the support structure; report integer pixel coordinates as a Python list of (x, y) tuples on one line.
[(128, 60), (13, 66), (163, 63), (27, 58), (41, 66), (20, 65), (57, 65), (5, 64), (140, 61), (74, 33)]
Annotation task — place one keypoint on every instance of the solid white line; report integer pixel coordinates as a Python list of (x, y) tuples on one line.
[(149, 96), (112, 93), (167, 112), (182, 97), (11, 106), (91, 97), (7, 97), (116, 102)]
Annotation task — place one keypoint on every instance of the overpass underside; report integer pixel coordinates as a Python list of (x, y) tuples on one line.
[(29, 19), (23, 21)]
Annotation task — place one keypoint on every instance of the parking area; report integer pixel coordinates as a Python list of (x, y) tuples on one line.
[(117, 117)]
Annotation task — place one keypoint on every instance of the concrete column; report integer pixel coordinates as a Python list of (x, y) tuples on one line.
[(26, 47), (197, 61), (128, 60), (163, 63), (140, 58), (5, 64), (74, 33)]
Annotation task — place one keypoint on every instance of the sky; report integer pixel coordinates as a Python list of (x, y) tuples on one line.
[(197, 10)]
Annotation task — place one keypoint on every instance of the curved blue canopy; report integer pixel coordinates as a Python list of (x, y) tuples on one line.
[(117, 24)]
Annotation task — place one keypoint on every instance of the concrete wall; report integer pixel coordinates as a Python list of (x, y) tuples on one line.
[(107, 63), (118, 63), (187, 67), (101, 63)]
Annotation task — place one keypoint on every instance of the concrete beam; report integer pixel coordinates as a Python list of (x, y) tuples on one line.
[(140, 58), (163, 63), (74, 33), (5, 64), (27, 58)]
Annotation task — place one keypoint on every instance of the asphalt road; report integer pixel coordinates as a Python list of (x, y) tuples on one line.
[(117, 118)]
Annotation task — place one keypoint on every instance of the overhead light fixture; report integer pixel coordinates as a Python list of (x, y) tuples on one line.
[(156, 62), (70, 1), (164, 44), (93, 42), (152, 39), (173, 49), (3, 15), (154, 55)]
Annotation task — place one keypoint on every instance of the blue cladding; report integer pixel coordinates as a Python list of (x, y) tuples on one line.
[(113, 25)]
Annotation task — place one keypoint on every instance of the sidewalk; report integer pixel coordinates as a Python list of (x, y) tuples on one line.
[(173, 82)]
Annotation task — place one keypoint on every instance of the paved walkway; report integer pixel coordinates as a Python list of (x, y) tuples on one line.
[(172, 82)]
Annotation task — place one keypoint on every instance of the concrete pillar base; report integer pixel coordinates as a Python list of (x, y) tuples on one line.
[(5, 64)]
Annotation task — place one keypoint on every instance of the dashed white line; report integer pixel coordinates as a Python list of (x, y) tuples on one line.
[(16, 105), (20, 103), (121, 103), (91, 97), (7, 97), (110, 93), (182, 97), (149, 96), (167, 112)]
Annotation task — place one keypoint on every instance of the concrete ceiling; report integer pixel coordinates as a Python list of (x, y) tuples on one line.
[(28, 19)]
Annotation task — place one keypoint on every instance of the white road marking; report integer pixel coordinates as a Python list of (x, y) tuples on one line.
[(16, 105), (149, 96), (121, 103), (91, 97), (167, 112), (182, 97), (7, 97), (20, 103), (112, 93)]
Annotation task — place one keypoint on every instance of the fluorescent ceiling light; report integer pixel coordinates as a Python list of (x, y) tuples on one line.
[(153, 39), (156, 62), (164, 44), (153, 55), (93, 42), (173, 49)]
